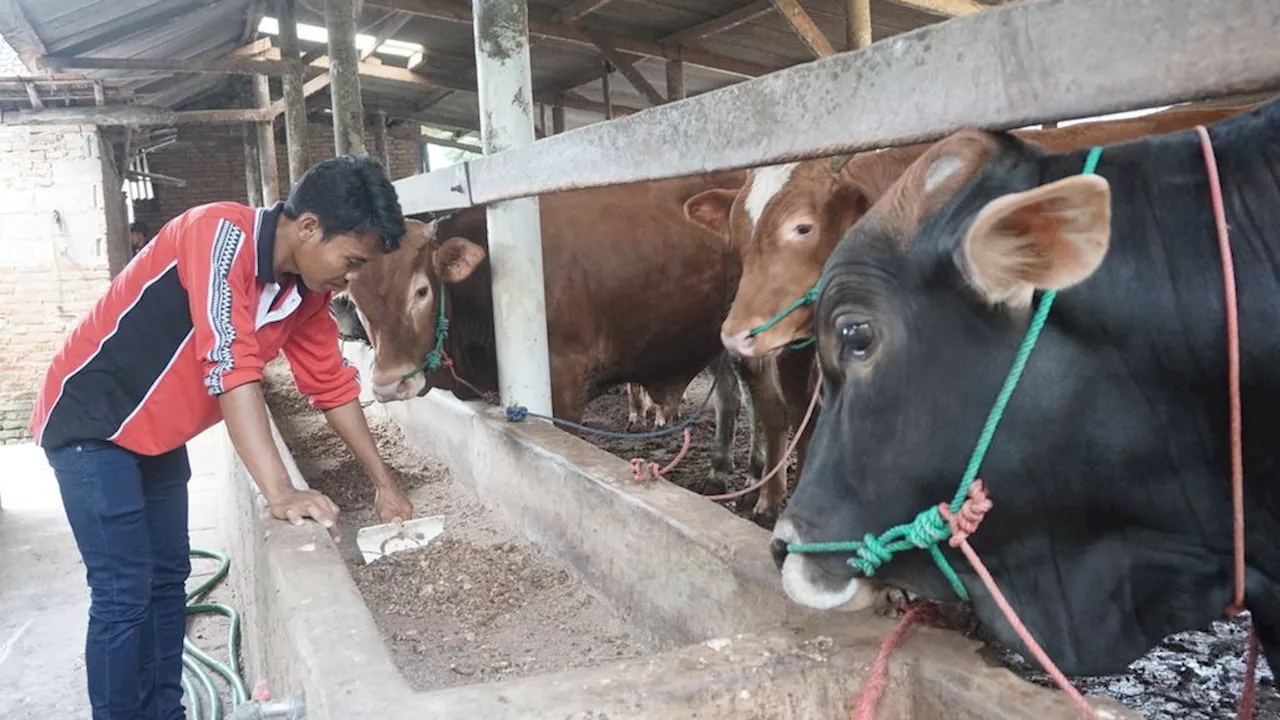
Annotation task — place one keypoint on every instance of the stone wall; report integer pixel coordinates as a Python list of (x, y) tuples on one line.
[(62, 230)]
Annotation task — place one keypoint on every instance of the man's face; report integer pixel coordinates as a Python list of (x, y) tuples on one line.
[(328, 265), (137, 240)]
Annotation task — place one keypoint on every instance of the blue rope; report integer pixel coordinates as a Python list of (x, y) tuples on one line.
[(517, 413)]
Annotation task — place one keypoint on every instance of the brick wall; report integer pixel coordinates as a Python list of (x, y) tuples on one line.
[(211, 160), (58, 190)]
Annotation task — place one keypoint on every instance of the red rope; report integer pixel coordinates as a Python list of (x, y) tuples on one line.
[(639, 465), (782, 462), (1248, 697)]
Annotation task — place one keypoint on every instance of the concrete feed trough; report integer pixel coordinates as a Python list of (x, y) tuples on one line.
[(691, 583)]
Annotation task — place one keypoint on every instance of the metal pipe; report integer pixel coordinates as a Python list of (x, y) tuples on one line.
[(514, 227)]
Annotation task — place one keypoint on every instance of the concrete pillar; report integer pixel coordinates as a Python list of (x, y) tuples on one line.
[(266, 143), (380, 152), (514, 226), (344, 77), (295, 105)]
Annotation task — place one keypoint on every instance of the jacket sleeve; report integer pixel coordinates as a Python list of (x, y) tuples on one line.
[(215, 264), (320, 371)]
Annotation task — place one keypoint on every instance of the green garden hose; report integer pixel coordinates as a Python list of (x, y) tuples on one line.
[(194, 676)]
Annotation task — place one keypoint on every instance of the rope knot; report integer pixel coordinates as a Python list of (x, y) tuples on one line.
[(927, 530), (516, 413), (643, 471), (965, 522), (871, 554)]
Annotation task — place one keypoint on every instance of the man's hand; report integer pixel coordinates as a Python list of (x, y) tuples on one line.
[(350, 424), (294, 505), (392, 505)]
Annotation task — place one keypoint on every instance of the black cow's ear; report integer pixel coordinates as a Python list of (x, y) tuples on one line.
[(456, 259), (710, 209), (1049, 237)]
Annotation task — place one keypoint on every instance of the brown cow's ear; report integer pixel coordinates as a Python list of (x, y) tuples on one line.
[(456, 259), (710, 209), (1050, 237)]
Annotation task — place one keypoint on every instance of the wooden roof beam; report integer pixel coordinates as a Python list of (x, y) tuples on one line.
[(744, 14), (227, 66), (461, 12), (131, 115), (948, 8), (577, 10), (395, 23), (17, 30), (628, 70), (804, 27)]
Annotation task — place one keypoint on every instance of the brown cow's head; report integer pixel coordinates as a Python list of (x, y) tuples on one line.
[(397, 296), (784, 223)]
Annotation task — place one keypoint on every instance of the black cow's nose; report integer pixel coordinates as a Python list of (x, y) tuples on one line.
[(778, 548)]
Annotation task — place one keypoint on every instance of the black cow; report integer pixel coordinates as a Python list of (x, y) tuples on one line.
[(1110, 472)]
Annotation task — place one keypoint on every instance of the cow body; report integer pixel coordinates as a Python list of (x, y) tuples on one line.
[(634, 294), (1109, 473)]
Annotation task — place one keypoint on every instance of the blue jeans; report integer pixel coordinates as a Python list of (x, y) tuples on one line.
[(128, 513)]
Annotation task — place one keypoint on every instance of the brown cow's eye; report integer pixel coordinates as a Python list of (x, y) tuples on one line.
[(857, 338), (804, 229), (423, 291)]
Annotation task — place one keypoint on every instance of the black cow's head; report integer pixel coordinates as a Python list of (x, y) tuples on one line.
[(923, 306)]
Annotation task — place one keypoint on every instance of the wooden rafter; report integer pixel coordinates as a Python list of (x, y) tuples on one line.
[(628, 70), (33, 95), (461, 12), (394, 24), (228, 66), (804, 27), (744, 14), (577, 10)]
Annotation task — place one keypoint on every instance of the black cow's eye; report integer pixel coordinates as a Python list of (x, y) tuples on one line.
[(857, 337)]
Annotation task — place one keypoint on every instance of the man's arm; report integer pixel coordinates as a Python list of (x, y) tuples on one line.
[(333, 386), (349, 422), (245, 411)]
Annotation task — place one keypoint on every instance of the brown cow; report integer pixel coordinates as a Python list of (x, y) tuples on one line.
[(787, 219), (634, 294)]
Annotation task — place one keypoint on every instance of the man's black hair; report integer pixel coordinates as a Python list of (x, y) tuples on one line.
[(141, 228), (350, 194)]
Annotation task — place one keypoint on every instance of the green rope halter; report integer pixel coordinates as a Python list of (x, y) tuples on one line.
[(928, 530), (435, 357), (808, 298)]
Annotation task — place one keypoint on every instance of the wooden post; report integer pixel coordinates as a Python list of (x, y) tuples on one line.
[(380, 152), (266, 143), (608, 97), (344, 78), (858, 23), (557, 118), (295, 103), (675, 80), (252, 168)]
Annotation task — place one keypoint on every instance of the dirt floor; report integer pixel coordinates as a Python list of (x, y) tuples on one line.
[(478, 603)]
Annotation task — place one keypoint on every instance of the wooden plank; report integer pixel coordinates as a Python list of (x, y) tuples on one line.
[(577, 10), (226, 66), (744, 14), (458, 12), (130, 115), (17, 30), (628, 70), (804, 27), (99, 94), (257, 47), (1007, 67), (394, 24), (33, 95), (948, 8), (857, 23)]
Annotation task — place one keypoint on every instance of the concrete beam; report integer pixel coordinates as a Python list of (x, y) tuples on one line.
[(1073, 59)]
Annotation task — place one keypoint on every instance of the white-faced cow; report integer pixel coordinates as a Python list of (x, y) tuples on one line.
[(1110, 470), (634, 294)]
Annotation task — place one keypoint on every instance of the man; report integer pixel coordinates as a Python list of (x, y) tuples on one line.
[(139, 236), (177, 344)]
